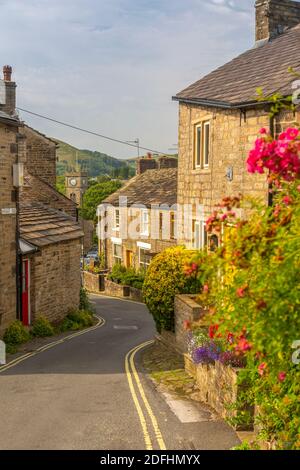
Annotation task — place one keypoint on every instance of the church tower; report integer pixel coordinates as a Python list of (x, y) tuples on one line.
[(76, 185)]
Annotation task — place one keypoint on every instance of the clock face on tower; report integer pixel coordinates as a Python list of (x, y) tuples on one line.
[(73, 181)]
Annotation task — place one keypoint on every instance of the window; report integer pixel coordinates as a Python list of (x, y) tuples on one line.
[(117, 253), (117, 218), (199, 234), (144, 257), (202, 145), (144, 222), (172, 225)]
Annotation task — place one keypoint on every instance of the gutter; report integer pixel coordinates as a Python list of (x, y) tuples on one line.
[(220, 104)]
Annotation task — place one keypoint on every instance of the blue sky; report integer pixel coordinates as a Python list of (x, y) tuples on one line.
[(112, 66)]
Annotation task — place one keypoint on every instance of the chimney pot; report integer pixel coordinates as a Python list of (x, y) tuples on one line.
[(7, 72)]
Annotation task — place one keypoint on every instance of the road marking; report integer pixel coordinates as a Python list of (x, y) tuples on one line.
[(121, 327), (23, 358), (146, 434), (129, 362)]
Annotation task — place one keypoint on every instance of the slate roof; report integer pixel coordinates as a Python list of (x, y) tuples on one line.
[(151, 187), (42, 226), (235, 83)]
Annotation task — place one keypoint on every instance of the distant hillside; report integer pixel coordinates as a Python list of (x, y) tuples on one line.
[(95, 163)]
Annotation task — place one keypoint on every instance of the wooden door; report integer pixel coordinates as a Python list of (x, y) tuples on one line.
[(129, 258)]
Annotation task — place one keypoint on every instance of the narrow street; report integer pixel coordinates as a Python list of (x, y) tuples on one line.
[(85, 393)]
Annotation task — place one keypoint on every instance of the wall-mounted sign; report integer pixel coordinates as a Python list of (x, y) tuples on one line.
[(8, 211)]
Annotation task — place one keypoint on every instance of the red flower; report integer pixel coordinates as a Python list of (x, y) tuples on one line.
[(262, 369), (243, 345), (241, 292), (212, 331), (282, 376), (206, 289), (287, 200)]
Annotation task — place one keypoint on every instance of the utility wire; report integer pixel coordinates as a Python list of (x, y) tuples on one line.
[(123, 142)]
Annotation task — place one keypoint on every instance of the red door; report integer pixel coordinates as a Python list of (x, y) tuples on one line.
[(26, 292)]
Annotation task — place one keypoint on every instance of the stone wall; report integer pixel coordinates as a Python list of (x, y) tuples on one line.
[(135, 294), (232, 136), (55, 280), (186, 309), (116, 290), (93, 282), (8, 156), (41, 155)]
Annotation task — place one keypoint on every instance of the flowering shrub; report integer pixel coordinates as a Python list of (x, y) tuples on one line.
[(169, 273), (252, 286)]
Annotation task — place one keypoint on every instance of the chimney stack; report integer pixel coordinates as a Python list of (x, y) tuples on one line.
[(145, 163), (274, 17), (10, 92)]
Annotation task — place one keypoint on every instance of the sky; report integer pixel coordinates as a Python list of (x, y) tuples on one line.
[(112, 66)]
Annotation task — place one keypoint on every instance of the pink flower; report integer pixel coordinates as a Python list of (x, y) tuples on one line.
[(241, 291), (282, 376), (230, 338), (206, 288), (243, 345), (224, 217), (292, 133), (263, 131), (262, 369)]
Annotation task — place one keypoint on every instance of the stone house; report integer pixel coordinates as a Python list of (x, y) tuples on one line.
[(219, 118), (8, 253), (140, 217), (48, 261)]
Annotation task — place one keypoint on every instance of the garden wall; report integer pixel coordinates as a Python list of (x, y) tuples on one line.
[(99, 283), (186, 309), (218, 387), (93, 282), (116, 290)]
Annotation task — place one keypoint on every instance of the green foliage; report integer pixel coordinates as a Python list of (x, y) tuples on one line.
[(84, 303), (16, 334), (95, 195), (127, 276), (95, 163), (76, 320), (60, 184), (42, 328), (164, 279)]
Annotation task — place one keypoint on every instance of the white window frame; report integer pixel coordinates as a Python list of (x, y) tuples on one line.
[(144, 224), (201, 242), (117, 215), (201, 151), (206, 148), (117, 259)]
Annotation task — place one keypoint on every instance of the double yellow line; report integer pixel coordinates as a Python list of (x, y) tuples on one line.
[(18, 360), (135, 383)]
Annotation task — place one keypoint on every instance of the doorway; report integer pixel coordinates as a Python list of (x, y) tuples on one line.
[(26, 314)]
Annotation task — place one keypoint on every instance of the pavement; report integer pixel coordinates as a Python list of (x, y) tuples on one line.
[(90, 392)]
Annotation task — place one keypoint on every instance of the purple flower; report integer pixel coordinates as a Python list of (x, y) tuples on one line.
[(206, 354)]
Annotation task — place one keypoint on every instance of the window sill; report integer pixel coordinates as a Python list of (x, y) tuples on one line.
[(204, 171)]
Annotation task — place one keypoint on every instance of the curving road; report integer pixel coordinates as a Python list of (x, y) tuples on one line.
[(84, 394)]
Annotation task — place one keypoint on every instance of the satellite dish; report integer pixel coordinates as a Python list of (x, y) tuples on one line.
[(2, 92)]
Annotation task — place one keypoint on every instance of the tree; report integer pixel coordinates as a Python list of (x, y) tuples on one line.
[(94, 196)]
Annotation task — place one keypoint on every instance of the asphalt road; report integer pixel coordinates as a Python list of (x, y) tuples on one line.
[(80, 394)]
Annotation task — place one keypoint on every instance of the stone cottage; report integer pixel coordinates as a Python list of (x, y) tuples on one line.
[(141, 217), (8, 208), (220, 117), (49, 235)]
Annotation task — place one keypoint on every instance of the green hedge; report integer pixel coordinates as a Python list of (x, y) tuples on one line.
[(164, 279)]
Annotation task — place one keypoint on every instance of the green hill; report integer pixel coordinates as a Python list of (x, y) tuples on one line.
[(95, 163)]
